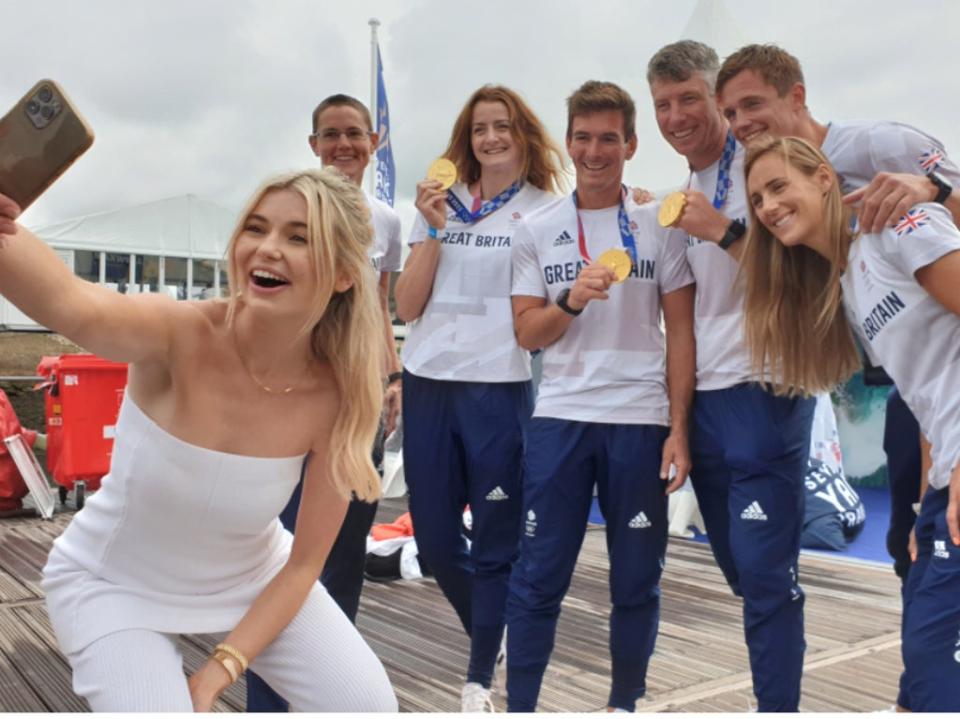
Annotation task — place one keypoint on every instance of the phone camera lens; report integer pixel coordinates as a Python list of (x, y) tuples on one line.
[(33, 107), (46, 112), (45, 94)]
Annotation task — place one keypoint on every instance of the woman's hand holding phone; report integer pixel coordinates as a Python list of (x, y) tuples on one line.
[(9, 212)]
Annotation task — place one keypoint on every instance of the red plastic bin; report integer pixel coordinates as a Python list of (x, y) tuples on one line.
[(82, 399)]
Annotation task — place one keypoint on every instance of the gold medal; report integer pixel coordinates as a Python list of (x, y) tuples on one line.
[(444, 172), (618, 261), (671, 209)]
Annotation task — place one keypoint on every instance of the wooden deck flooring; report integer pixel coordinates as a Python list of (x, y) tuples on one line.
[(700, 665)]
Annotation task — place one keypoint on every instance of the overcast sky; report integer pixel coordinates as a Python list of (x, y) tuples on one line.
[(210, 96)]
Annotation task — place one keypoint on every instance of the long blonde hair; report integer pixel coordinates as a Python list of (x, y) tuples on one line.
[(540, 157), (795, 325), (346, 328)]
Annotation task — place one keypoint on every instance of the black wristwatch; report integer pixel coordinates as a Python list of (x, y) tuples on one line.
[(394, 377), (562, 302), (944, 188), (735, 230)]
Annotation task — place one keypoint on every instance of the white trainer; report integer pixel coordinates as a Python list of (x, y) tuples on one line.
[(475, 699)]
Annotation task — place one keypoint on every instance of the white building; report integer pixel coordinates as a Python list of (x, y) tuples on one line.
[(177, 246)]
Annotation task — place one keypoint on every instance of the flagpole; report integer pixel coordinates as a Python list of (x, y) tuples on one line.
[(374, 110)]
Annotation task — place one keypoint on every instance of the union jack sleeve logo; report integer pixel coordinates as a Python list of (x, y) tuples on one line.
[(913, 220), (931, 160)]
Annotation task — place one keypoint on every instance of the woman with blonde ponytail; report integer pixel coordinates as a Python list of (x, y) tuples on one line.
[(811, 283), (224, 401)]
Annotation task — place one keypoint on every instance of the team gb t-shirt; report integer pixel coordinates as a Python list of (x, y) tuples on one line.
[(387, 245), (910, 333), (609, 366), (466, 330)]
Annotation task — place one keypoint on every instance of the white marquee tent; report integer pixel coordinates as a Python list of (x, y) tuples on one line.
[(176, 246)]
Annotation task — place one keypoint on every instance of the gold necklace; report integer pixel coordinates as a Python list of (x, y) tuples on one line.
[(261, 385)]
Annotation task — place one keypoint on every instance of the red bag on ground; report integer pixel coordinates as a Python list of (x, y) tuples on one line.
[(12, 486)]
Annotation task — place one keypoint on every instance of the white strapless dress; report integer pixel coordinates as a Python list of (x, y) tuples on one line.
[(179, 539)]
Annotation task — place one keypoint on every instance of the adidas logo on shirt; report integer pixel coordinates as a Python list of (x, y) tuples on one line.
[(497, 495), (640, 522), (563, 238), (754, 511)]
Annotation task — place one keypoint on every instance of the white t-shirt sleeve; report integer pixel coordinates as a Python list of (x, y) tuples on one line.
[(900, 148), (675, 270), (419, 232), (527, 277), (392, 258), (927, 244)]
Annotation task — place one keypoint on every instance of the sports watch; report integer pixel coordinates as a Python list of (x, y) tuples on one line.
[(562, 302), (735, 231), (944, 188)]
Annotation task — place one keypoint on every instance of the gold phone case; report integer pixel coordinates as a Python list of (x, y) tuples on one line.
[(39, 139)]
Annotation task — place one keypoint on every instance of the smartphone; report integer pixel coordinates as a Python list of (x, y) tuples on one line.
[(39, 139)]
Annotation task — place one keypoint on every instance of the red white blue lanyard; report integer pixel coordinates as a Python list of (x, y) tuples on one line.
[(468, 218), (626, 236)]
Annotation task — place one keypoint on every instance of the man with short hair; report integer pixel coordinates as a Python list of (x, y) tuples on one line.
[(886, 168), (612, 405), (749, 447), (343, 137)]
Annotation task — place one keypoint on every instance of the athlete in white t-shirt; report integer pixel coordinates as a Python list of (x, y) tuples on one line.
[(612, 406), (899, 290), (884, 167), (467, 384), (343, 137), (749, 448)]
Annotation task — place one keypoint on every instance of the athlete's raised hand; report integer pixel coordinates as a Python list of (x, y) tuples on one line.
[(592, 284), (701, 219), (431, 201), (888, 197), (9, 212)]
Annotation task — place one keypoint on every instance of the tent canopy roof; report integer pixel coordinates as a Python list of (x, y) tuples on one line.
[(184, 226)]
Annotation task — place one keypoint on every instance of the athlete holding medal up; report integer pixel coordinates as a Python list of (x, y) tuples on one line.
[(749, 447), (466, 381), (612, 405)]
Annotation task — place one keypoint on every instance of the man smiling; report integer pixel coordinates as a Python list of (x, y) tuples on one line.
[(612, 406), (886, 167), (748, 447)]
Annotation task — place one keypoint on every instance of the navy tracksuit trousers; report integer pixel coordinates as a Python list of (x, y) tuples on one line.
[(463, 444), (749, 450), (564, 460), (901, 443), (931, 615)]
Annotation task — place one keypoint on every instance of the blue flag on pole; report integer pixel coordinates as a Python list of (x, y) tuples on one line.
[(384, 165)]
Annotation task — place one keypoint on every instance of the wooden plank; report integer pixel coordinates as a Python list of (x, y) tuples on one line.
[(700, 663), (45, 674), (17, 566), (12, 590)]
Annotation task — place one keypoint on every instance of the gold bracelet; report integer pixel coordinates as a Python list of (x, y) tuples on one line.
[(235, 653), (226, 661)]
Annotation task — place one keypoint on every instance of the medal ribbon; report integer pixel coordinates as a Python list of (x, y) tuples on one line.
[(468, 218), (723, 173), (626, 236)]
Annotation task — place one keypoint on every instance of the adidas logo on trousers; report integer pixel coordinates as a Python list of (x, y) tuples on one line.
[(754, 511)]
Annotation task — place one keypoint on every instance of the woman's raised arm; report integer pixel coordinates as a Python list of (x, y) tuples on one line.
[(118, 327)]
